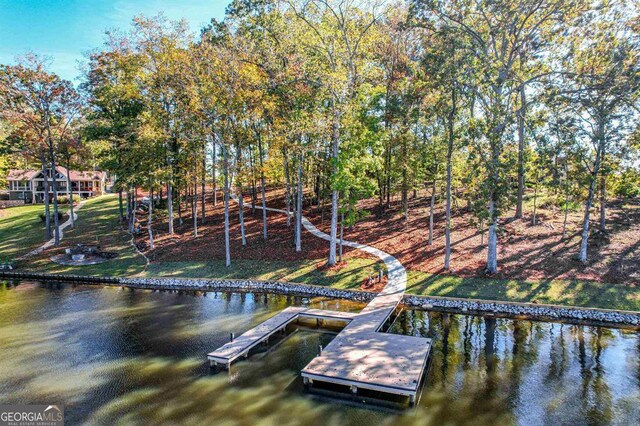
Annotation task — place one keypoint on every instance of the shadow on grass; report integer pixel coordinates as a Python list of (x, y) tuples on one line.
[(305, 271), (562, 292)]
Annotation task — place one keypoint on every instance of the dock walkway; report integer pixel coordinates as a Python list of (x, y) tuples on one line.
[(360, 356), (241, 346)]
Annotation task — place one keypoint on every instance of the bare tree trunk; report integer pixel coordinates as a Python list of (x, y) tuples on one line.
[(227, 243), (264, 197), (287, 193), (70, 191), (254, 195), (316, 186), (566, 213), (388, 170), (492, 252), (341, 235), (54, 181), (179, 196), (447, 235), (213, 172), (134, 206), (128, 208), (535, 198), (334, 194), (203, 184), (592, 189), (294, 206), (47, 208), (521, 145), (492, 247), (194, 206), (431, 209), (299, 207), (150, 219), (120, 207), (603, 204), (405, 186), (240, 196), (170, 206)]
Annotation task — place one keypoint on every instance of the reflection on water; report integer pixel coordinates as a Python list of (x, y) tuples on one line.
[(117, 355)]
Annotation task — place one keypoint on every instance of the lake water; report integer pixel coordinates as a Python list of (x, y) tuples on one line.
[(113, 355)]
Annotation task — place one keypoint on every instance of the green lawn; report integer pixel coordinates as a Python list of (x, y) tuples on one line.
[(97, 224), (558, 292), (350, 276), (21, 230)]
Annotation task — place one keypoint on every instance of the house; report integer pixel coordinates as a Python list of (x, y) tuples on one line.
[(28, 185)]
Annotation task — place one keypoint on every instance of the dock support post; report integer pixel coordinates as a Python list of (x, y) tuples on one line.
[(412, 400), (354, 389), (319, 350), (231, 337)]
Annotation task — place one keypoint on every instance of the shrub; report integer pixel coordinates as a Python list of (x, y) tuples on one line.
[(628, 185), (43, 216), (63, 199), (628, 190)]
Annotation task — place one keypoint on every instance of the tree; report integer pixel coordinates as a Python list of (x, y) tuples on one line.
[(70, 146), (115, 108), (41, 105), (601, 88), (337, 38), (162, 47), (496, 34)]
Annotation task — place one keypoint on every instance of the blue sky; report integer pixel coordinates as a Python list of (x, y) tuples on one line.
[(66, 29)]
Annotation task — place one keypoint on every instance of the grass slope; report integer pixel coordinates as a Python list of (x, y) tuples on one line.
[(97, 224), (350, 276), (21, 230), (590, 294)]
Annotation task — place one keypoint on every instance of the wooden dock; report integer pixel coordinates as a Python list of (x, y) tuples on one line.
[(360, 356), (382, 362), (240, 347)]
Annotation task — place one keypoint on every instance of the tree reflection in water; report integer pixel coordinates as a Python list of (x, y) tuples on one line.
[(115, 355)]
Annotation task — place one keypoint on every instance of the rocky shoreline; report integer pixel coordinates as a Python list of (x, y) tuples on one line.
[(446, 304)]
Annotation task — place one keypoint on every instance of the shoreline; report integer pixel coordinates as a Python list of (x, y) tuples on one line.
[(514, 310)]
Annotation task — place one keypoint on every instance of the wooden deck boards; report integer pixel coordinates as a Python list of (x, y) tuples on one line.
[(383, 362), (241, 345)]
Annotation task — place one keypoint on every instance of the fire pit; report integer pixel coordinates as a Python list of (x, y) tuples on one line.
[(83, 255)]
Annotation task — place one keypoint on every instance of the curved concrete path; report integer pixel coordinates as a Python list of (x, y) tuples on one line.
[(61, 229), (392, 293)]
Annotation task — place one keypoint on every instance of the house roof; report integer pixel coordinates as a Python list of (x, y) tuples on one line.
[(76, 175), (82, 175), (21, 174)]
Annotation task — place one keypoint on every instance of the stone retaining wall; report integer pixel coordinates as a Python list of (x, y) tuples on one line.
[(11, 203), (447, 304)]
